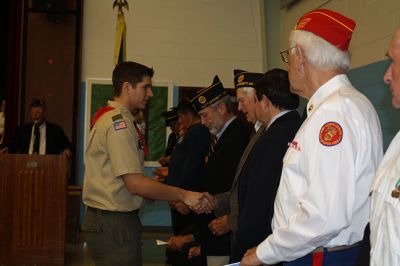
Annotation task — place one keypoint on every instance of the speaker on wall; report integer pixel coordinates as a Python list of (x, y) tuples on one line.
[(50, 5)]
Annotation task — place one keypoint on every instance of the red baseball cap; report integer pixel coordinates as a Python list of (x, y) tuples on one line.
[(329, 25)]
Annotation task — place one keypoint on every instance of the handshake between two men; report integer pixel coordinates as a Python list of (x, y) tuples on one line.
[(207, 203), (199, 203), (220, 225)]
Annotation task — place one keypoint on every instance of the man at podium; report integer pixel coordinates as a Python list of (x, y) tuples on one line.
[(39, 136)]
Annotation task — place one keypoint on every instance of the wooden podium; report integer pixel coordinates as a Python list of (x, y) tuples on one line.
[(33, 193)]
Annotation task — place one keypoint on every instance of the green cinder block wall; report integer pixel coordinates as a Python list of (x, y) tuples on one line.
[(369, 80)]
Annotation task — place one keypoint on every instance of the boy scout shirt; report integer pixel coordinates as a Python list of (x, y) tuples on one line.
[(385, 209), (323, 197), (113, 150)]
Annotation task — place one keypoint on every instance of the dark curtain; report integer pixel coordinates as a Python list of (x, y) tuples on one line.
[(13, 14)]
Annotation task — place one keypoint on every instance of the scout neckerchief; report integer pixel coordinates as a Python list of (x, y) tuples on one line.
[(99, 113)]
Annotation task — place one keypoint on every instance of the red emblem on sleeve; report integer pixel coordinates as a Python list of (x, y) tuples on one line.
[(331, 134)]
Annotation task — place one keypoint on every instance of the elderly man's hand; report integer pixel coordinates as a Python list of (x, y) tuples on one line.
[(220, 226), (212, 200), (251, 259), (161, 171), (164, 160), (177, 242), (194, 252)]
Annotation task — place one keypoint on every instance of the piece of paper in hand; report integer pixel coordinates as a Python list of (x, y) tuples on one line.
[(233, 264), (160, 242)]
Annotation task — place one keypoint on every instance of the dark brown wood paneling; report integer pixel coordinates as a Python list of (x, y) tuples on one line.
[(50, 65), (33, 191)]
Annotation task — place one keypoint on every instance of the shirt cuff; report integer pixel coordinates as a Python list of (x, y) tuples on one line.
[(265, 254), (123, 171)]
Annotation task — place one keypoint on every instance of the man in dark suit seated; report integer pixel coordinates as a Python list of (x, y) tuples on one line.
[(39, 136)]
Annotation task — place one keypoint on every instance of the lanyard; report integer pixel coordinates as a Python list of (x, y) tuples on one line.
[(141, 139)]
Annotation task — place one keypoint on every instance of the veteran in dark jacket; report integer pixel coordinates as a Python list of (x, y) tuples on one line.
[(185, 170), (260, 177), (230, 137)]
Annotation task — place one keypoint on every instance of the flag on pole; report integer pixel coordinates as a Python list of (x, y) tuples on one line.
[(120, 39)]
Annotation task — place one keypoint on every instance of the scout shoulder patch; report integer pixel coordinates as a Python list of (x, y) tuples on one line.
[(330, 134), (117, 117), (120, 125)]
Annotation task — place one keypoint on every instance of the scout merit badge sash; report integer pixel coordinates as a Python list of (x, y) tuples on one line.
[(104, 110)]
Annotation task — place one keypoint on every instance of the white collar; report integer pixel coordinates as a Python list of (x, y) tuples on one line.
[(282, 113), (219, 134)]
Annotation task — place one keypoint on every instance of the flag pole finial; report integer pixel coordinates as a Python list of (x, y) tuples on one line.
[(121, 4)]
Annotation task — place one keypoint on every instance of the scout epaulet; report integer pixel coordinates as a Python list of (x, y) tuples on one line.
[(99, 113)]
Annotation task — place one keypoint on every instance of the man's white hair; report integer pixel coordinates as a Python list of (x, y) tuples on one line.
[(248, 90), (227, 101), (320, 53)]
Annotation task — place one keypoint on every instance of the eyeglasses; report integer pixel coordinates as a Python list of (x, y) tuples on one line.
[(285, 54)]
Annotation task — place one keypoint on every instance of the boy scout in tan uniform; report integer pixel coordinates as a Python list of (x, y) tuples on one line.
[(114, 184), (113, 133)]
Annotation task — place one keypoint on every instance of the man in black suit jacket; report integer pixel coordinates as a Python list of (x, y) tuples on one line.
[(39, 136), (185, 170), (260, 177), (230, 139)]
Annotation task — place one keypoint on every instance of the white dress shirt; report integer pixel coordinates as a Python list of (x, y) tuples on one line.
[(323, 197), (282, 113), (257, 125), (42, 145), (385, 209)]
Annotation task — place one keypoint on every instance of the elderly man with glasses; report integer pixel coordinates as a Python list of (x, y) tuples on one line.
[(322, 204)]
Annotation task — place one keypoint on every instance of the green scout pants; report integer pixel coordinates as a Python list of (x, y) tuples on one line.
[(113, 238)]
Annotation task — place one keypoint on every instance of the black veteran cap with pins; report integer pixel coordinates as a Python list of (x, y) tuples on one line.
[(209, 95), (170, 116), (245, 79)]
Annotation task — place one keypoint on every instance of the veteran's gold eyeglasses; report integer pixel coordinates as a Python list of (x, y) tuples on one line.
[(285, 54)]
